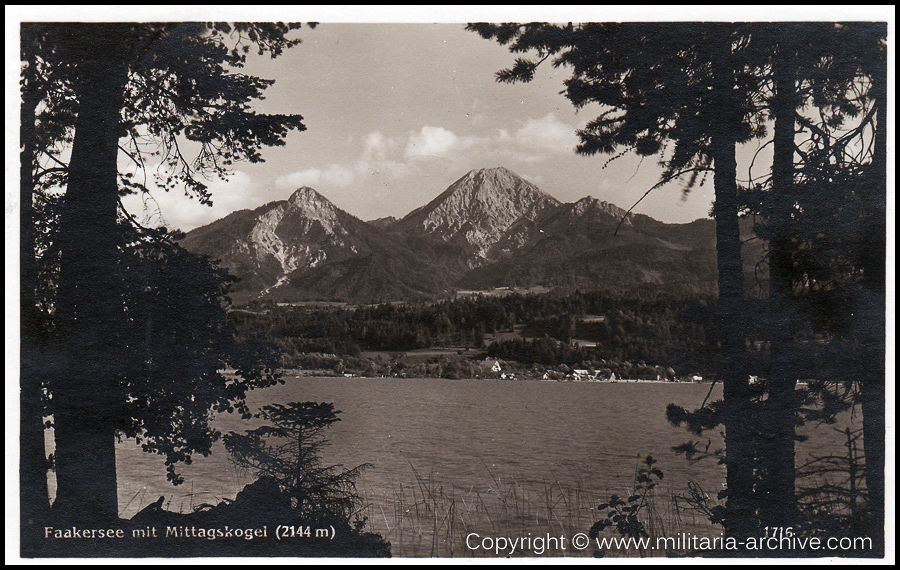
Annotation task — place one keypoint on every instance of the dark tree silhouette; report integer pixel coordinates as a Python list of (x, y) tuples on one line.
[(862, 62), (33, 463), (777, 500), (693, 86), (47, 115), (706, 88), (289, 449), (177, 338), (825, 187), (873, 301), (165, 83)]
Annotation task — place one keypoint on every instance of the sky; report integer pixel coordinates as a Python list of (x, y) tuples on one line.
[(395, 113)]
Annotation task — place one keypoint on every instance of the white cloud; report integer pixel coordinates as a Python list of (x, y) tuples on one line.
[(377, 157), (536, 140), (432, 141), (377, 147)]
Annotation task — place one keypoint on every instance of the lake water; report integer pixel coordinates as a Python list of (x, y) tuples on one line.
[(452, 457)]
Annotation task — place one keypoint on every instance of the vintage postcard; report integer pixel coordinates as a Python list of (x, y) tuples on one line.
[(452, 283)]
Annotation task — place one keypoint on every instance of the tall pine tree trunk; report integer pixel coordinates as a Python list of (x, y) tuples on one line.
[(777, 502), (33, 494), (872, 309), (740, 517), (85, 397)]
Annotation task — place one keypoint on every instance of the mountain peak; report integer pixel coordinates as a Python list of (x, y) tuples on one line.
[(479, 207), (496, 170), (305, 194), (310, 204), (497, 174)]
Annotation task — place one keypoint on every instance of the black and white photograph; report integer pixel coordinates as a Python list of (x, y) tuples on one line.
[(450, 283)]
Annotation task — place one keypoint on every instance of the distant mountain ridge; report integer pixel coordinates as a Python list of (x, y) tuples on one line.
[(490, 228)]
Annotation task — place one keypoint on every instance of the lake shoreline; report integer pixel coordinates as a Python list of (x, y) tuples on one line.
[(299, 373)]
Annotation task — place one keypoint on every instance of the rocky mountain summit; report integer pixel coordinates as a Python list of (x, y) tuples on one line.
[(490, 228), (269, 246), (478, 209)]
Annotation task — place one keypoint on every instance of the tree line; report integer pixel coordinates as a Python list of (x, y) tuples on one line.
[(660, 329)]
